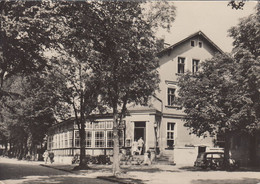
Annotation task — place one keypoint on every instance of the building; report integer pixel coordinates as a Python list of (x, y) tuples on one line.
[(160, 123)]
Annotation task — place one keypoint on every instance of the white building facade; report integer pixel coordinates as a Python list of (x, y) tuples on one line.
[(160, 124)]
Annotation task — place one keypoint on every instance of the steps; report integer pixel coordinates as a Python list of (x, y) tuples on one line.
[(132, 160), (164, 159)]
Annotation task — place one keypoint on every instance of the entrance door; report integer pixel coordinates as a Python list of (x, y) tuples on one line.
[(140, 132)]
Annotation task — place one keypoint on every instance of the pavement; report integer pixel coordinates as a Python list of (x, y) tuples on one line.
[(159, 174), (165, 174)]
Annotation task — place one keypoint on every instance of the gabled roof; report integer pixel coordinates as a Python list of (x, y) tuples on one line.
[(199, 33)]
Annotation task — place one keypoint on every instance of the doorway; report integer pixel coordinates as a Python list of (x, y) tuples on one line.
[(139, 132)]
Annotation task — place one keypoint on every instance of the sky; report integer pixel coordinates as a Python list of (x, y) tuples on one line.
[(212, 18)]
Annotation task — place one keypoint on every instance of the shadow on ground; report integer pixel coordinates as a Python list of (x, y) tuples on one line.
[(191, 168), (122, 180), (142, 169), (230, 181), (242, 169), (59, 179)]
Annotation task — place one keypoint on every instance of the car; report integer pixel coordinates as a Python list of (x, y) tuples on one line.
[(214, 160)]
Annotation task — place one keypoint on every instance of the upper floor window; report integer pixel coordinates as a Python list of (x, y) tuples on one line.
[(192, 43), (195, 65), (171, 96), (200, 44), (181, 64)]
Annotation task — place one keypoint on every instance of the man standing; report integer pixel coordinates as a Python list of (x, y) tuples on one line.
[(140, 145), (46, 156)]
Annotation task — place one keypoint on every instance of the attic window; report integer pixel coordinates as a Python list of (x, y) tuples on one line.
[(200, 44), (192, 43)]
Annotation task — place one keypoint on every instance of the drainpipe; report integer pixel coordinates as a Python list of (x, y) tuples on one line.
[(159, 126)]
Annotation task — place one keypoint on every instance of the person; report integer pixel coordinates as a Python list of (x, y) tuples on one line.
[(135, 147), (140, 145), (147, 158), (46, 156), (51, 155)]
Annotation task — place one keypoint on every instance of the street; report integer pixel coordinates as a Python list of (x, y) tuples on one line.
[(190, 175), (14, 172)]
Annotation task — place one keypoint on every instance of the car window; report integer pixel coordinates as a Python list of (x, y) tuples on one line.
[(217, 155), (208, 155)]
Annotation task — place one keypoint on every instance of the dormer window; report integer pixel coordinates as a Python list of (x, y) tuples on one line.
[(192, 43), (200, 44)]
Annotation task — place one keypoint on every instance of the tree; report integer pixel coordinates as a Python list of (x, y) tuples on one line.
[(246, 34), (71, 56), (103, 43), (111, 50), (246, 52), (78, 92), (223, 98), (24, 34), (26, 118), (238, 5), (127, 62)]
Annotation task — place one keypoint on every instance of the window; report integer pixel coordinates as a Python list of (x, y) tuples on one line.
[(65, 140), (100, 125), (195, 65), (121, 137), (58, 140), (88, 138), (88, 125), (181, 64), (99, 139), (171, 96), (109, 124), (55, 141), (170, 135), (50, 142), (70, 139), (109, 138), (77, 139), (200, 44), (192, 43)]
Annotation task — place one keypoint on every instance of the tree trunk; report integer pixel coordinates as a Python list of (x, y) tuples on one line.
[(227, 149), (116, 160), (252, 150), (82, 135)]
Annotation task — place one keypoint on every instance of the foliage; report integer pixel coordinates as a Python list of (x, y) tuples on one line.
[(238, 5), (127, 63), (27, 119), (24, 36), (108, 54), (224, 96), (246, 34), (206, 96)]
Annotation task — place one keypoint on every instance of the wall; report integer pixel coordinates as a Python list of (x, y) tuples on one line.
[(186, 145), (149, 129), (169, 65)]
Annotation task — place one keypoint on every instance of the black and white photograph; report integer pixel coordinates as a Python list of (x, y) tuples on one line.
[(129, 92)]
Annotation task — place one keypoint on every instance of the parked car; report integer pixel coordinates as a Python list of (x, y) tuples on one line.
[(214, 160)]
